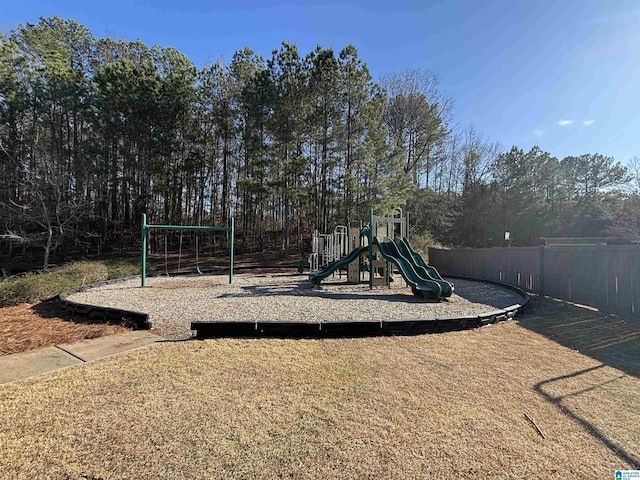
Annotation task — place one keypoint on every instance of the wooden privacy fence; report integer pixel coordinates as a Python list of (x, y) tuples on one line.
[(604, 276)]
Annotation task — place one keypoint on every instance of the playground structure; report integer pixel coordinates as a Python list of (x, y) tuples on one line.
[(328, 247), (385, 239), (147, 228)]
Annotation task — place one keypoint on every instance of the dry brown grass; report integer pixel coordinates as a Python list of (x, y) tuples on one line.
[(30, 326), (606, 337), (433, 406)]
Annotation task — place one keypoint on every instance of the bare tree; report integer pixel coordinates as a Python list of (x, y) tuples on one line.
[(478, 156), (417, 117), (40, 212), (634, 169)]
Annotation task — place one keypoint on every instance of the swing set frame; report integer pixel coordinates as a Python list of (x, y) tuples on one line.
[(146, 228)]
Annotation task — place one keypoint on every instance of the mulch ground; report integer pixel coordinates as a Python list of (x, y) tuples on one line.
[(30, 326)]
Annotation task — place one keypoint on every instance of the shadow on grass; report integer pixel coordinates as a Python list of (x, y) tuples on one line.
[(595, 432), (612, 340)]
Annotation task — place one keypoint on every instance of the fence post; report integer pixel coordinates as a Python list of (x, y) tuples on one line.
[(541, 274)]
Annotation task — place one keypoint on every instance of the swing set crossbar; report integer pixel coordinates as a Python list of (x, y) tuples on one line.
[(146, 228), (187, 227)]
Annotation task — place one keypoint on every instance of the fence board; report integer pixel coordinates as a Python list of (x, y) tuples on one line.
[(603, 276)]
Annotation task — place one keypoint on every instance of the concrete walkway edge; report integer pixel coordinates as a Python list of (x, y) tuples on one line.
[(35, 362)]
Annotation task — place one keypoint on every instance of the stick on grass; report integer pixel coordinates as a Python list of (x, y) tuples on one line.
[(534, 424)]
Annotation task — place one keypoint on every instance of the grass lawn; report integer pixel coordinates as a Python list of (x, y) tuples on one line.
[(432, 406), (33, 287)]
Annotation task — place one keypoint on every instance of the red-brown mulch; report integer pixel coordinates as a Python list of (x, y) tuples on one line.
[(30, 326)]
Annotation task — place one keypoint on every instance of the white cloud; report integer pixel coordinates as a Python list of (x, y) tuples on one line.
[(564, 123), (586, 123), (538, 132)]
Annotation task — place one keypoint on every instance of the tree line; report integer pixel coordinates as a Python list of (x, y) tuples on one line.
[(95, 132)]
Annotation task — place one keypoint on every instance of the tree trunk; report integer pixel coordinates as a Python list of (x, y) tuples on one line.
[(47, 249)]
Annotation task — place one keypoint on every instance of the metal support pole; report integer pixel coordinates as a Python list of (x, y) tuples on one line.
[(390, 223), (406, 233), (233, 233), (143, 253), (371, 226)]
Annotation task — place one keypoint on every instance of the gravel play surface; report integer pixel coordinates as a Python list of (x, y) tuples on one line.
[(174, 302)]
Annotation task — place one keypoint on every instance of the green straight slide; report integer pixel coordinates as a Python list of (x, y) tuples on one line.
[(317, 277), (421, 286), (421, 267)]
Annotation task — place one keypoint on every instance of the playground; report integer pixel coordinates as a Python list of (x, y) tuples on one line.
[(510, 400), (365, 279), (375, 250), (173, 303)]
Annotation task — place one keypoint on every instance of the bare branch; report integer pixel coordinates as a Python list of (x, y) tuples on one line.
[(14, 237)]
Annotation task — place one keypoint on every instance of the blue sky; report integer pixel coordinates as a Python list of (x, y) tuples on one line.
[(560, 74)]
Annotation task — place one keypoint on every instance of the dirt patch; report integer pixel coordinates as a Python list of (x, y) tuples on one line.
[(260, 262), (30, 326)]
